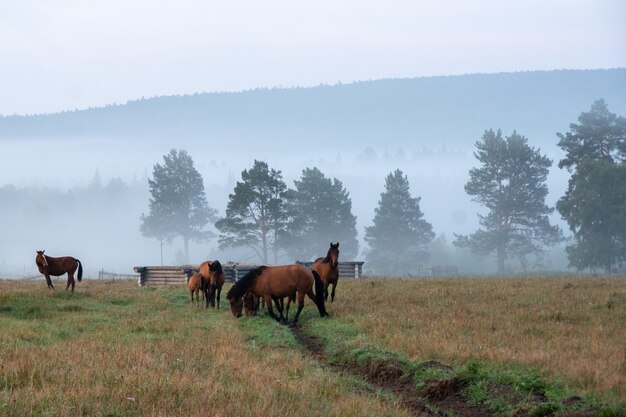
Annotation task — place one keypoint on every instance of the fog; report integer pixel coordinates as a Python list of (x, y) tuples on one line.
[(84, 197)]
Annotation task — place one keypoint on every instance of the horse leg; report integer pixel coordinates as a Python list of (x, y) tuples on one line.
[(332, 294), (311, 295), (219, 291), (300, 307), (49, 281), (207, 295), (70, 281), (270, 310), (279, 307), (287, 309)]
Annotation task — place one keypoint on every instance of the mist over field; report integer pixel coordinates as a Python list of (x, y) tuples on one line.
[(76, 183)]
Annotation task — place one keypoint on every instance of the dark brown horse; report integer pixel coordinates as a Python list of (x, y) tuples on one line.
[(328, 268), (273, 283), (213, 280), (58, 266)]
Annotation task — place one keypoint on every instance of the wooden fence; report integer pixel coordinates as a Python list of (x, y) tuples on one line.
[(178, 275), (348, 269), (102, 274)]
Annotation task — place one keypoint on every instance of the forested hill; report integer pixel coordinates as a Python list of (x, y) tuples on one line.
[(454, 110)]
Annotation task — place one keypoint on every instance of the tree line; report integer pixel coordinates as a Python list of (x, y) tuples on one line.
[(270, 218)]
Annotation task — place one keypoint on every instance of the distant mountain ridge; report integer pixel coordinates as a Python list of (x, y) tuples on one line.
[(454, 110)]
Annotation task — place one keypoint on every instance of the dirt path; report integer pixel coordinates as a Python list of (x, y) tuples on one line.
[(439, 398)]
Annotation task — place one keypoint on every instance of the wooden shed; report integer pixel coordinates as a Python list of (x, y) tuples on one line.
[(164, 275)]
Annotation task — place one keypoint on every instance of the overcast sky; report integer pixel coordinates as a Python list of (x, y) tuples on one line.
[(69, 54)]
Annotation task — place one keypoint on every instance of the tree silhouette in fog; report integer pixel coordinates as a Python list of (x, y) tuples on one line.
[(511, 184), (319, 211), (594, 204), (178, 204), (398, 240), (255, 214)]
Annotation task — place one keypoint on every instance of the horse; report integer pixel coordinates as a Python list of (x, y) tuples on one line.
[(56, 267), (196, 287), (251, 304), (213, 278), (275, 283), (328, 269)]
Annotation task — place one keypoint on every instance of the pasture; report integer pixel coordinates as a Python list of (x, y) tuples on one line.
[(519, 346)]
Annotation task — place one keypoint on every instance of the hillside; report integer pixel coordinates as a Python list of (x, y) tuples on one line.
[(454, 110)]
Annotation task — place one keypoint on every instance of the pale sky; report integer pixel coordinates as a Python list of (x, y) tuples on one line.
[(71, 54)]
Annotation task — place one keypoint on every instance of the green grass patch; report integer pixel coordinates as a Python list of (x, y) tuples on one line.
[(262, 331)]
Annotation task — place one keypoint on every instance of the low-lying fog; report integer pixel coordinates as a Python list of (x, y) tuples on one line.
[(84, 197)]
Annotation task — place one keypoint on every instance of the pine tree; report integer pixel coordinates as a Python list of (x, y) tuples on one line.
[(255, 214), (594, 204), (511, 184), (320, 211), (178, 205), (399, 238)]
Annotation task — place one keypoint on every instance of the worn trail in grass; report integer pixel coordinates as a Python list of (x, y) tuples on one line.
[(347, 343)]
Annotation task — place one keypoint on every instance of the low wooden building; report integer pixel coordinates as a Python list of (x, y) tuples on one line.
[(160, 276), (178, 275)]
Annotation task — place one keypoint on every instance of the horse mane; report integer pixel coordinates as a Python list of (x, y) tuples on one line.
[(327, 258), (241, 286)]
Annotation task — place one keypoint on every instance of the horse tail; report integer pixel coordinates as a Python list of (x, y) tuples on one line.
[(80, 270), (319, 293)]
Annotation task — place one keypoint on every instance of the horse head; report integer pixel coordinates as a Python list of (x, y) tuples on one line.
[(333, 254), (236, 303), (251, 303), (41, 259)]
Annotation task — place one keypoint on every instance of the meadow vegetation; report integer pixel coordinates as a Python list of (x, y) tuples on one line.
[(113, 349)]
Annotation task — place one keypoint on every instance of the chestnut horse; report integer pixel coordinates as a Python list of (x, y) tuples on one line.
[(195, 287), (58, 266), (275, 283), (213, 279), (328, 269)]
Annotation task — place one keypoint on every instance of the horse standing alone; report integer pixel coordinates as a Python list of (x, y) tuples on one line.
[(328, 268), (56, 267)]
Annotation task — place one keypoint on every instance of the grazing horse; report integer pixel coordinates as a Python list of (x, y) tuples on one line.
[(251, 303), (195, 287), (328, 269), (275, 283), (213, 278), (56, 267)]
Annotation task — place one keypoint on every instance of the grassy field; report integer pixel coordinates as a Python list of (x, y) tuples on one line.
[(113, 349)]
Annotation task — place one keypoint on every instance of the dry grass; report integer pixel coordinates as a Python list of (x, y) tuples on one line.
[(571, 328), (112, 349)]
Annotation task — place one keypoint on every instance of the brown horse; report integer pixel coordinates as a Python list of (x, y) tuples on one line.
[(195, 287), (273, 283), (213, 278), (251, 303), (58, 266), (328, 269)]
